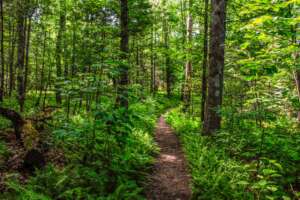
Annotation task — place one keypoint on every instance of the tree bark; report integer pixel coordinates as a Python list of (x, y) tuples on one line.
[(122, 88), (153, 58), (21, 52), (188, 66), (296, 58), (212, 120), (167, 54), (184, 31), (59, 49), (205, 59), (27, 56), (11, 59), (2, 53)]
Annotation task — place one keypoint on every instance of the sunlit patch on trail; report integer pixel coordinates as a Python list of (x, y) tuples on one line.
[(168, 158)]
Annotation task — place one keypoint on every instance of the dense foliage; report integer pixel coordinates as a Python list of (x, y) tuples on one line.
[(100, 161), (241, 163), (82, 83)]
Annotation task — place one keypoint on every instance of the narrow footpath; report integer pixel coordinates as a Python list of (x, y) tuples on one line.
[(170, 179)]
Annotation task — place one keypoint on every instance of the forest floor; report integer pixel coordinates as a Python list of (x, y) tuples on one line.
[(170, 179)]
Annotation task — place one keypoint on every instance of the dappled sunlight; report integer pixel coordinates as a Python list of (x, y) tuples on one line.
[(149, 99), (168, 158)]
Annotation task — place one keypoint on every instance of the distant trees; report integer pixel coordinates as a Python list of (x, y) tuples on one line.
[(76, 52)]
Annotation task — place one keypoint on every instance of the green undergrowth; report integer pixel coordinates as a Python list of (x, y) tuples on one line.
[(239, 163), (105, 155)]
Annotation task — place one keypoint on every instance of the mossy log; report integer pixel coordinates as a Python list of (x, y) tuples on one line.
[(16, 119), (27, 136)]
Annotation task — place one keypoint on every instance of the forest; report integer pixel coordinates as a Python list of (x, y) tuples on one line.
[(150, 99)]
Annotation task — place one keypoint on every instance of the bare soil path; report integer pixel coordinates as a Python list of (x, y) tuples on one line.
[(170, 179)]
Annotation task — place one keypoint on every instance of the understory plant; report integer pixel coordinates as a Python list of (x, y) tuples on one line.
[(106, 155), (233, 164)]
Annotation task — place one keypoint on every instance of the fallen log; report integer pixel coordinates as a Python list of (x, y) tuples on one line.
[(27, 136), (16, 119)]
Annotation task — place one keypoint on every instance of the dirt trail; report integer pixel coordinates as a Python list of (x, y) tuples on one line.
[(170, 179)]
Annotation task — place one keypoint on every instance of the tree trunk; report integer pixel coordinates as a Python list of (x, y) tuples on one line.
[(122, 90), (297, 81), (183, 31), (205, 59), (61, 31), (167, 54), (41, 88), (21, 52), (188, 66), (212, 120), (27, 56), (74, 50), (11, 59), (2, 53), (296, 57), (153, 56)]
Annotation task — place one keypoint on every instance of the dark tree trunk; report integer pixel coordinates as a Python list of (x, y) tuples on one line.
[(122, 90), (153, 56), (2, 52), (11, 59), (74, 50), (21, 52), (41, 88), (59, 49), (205, 59), (27, 56), (212, 120), (167, 56)]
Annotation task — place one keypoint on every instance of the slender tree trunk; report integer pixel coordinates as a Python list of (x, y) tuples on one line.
[(27, 56), (183, 41), (143, 71), (296, 57), (212, 120), (74, 51), (205, 59), (11, 59), (59, 48), (137, 60), (42, 71), (152, 62), (2, 52), (166, 54), (297, 81), (153, 57), (188, 66), (21, 52), (122, 90)]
